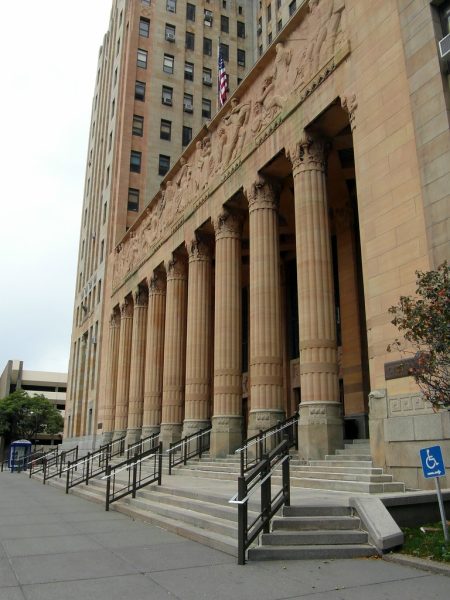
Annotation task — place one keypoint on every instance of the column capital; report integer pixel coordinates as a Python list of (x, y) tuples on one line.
[(349, 103), (140, 298), (126, 309), (176, 268), (114, 319), (308, 154), (198, 249), (227, 224), (156, 283), (261, 193)]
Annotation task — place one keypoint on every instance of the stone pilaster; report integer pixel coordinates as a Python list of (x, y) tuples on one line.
[(123, 369), (266, 352), (227, 411), (109, 409), (198, 338), (154, 354), (136, 403), (174, 352), (320, 425)]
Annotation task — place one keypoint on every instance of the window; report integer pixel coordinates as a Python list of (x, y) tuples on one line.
[(292, 7), (189, 71), (145, 2), (167, 95), (207, 46), (444, 15), (113, 107), (168, 63), (102, 250), (165, 130), (133, 200), (190, 12), (208, 18), (105, 208), (239, 80), (241, 29), (139, 91), (207, 76), (224, 49), (170, 32), (259, 26), (138, 125), (260, 50), (171, 5), (118, 47), (164, 164), (107, 176), (120, 18), (206, 108), (241, 57), (187, 135), (109, 143), (269, 12), (269, 39), (240, 10), (224, 4), (279, 25), (278, 4), (144, 27), (135, 161), (190, 40), (188, 103), (224, 24), (142, 58)]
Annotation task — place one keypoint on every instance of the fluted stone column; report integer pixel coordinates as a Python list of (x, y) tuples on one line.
[(266, 351), (123, 369), (174, 352), (154, 354), (320, 426), (136, 402), (227, 411), (198, 339), (109, 409)]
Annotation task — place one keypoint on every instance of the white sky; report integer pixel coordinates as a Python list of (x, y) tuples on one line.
[(48, 60)]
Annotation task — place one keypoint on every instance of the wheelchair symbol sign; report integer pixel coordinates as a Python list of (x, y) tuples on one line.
[(432, 462)]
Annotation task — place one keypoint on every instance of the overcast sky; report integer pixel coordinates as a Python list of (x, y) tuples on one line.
[(48, 59)]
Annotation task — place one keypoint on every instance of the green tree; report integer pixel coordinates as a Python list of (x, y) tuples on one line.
[(424, 321), (23, 416)]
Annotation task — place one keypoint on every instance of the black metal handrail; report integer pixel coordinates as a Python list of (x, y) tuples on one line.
[(137, 477), (189, 447), (93, 464), (147, 443), (255, 447), (54, 466), (259, 478), (36, 461)]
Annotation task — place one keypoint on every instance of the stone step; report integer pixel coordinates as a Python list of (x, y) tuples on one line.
[(327, 468), (348, 457), (314, 523), (316, 510), (307, 538), (311, 552), (341, 476), (342, 462), (363, 441), (346, 486), (360, 451)]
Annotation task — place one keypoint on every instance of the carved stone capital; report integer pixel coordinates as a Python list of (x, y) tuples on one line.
[(227, 224), (126, 309), (308, 154), (262, 194), (157, 283), (350, 104), (176, 268), (140, 298), (198, 250), (114, 319)]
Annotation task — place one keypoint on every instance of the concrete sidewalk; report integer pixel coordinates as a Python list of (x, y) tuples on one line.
[(58, 547)]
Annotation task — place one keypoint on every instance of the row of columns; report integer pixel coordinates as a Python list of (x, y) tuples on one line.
[(160, 349)]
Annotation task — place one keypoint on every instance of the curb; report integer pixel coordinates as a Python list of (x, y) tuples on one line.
[(418, 563)]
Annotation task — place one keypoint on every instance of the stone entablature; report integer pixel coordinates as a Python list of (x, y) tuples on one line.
[(279, 83)]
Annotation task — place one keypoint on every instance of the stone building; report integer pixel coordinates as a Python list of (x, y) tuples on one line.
[(257, 280)]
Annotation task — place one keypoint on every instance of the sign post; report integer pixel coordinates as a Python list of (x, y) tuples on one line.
[(433, 466)]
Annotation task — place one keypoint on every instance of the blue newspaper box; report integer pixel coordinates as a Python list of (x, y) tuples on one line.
[(19, 451)]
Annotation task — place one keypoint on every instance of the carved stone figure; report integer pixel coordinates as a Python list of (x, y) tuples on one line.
[(235, 122), (323, 25)]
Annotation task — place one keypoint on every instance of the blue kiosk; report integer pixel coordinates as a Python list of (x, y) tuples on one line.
[(19, 451)]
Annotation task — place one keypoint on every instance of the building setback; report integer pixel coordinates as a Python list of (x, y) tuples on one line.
[(257, 277)]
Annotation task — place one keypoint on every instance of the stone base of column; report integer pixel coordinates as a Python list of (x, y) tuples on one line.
[(107, 437), (320, 429), (263, 419), (190, 427), (118, 434), (133, 437), (226, 435), (147, 431), (169, 433)]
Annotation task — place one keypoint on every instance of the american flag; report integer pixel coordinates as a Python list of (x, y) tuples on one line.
[(223, 81)]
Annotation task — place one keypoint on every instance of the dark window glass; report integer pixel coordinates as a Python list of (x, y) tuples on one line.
[(292, 7), (165, 132), (187, 135), (138, 125), (189, 71), (207, 76), (170, 32), (171, 5), (139, 90), (168, 63), (167, 95), (207, 46), (206, 108), (190, 12), (164, 164), (142, 58), (224, 24), (190, 40), (133, 200), (144, 27), (224, 49), (241, 29), (188, 103), (269, 12), (135, 161)]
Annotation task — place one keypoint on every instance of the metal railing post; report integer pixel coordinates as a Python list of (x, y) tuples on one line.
[(184, 450), (68, 475), (242, 520), (44, 470), (160, 459), (286, 481), (87, 467), (108, 486), (135, 464), (260, 446), (266, 496)]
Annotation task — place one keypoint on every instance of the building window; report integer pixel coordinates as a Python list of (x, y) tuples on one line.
[(115, 76), (225, 51), (118, 47), (105, 208), (260, 50), (207, 77), (240, 10), (269, 12), (102, 250), (139, 91), (164, 164), (187, 135), (113, 107), (224, 24), (168, 63), (278, 4), (107, 176), (279, 25), (269, 39), (144, 27), (142, 58), (170, 32), (189, 71), (259, 32), (208, 18), (138, 125), (241, 29), (292, 7), (207, 47), (145, 2), (224, 4), (171, 5), (165, 130), (190, 40), (206, 108), (188, 103), (133, 200), (190, 12), (167, 95), (109, 148), (241, 57), (135, 161)]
